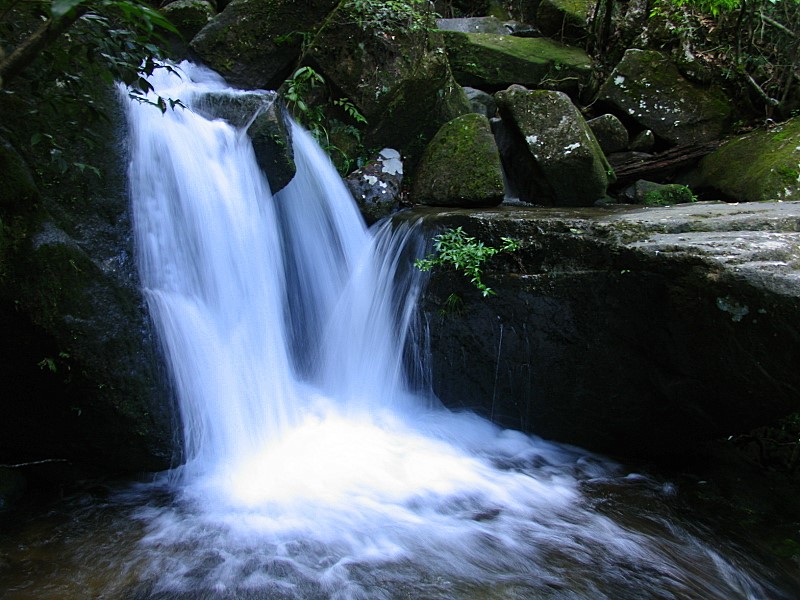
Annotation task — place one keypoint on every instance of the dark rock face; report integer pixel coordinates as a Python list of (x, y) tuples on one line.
[(254, 43), (628, 331), (81, 371)]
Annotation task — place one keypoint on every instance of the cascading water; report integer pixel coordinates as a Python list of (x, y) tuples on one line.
[(316, 468)]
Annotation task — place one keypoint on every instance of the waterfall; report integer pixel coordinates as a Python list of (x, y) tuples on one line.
[(314, 461)]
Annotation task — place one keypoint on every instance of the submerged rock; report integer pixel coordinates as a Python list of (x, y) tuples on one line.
[(763, 165), (461, 166), (639, 332)]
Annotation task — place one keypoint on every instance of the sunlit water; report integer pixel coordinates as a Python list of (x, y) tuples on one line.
[(317, 465)]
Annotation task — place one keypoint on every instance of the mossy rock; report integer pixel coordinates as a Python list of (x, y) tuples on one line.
[(658, 194), (611, 134), (402, 83), (461, 166), (189, 16), (647, 87), (564, 19), (762, 165), (254, 44), (568, 166), (493, 62)]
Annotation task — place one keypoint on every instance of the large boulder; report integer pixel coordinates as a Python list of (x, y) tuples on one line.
[(564, 19), (81, 373), (549, 151), (767, 165), (395, 74), (646, 87), (254, 44), (494, 62), (632, 331), (461, 166), (188, 17)]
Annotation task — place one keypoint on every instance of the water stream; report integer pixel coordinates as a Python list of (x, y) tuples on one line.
[(319, 464)]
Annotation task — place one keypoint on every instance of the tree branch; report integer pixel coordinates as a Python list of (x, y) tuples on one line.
[(24, 54)]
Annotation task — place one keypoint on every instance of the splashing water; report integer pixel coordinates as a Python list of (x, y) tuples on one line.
[(316, 467)]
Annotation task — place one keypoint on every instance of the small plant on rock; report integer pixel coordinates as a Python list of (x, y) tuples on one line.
[(454, 248)]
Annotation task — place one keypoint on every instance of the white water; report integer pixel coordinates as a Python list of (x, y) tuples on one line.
[(315, 466)]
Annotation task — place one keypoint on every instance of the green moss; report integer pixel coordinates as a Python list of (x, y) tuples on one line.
[(665, 195), (763, 165), (485, 59)]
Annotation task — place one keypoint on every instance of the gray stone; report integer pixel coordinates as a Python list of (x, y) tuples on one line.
[(569, 168), (481, 102), (644, 141), (376, 186), (610, 133)]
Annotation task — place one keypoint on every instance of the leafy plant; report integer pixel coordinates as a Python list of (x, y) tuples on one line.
[(390, 16), (454, 248), (307, 98)]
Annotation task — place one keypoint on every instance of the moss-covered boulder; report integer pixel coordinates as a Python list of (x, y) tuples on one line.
[(189, 16), (646, 87), (762, 165), (255, 43), (493, 62), (394, 73), (650, 193), (564, 19), (550, 152), (461, 166)]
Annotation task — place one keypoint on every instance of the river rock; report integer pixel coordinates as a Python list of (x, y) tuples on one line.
[(611, 134), (632, 331), (461, 166), (767, 165), (397, 76), (554, 157), (188, 17), (481, 102), (647, 87), (376, 186), (493, 62), (266, 120), (254, 44)]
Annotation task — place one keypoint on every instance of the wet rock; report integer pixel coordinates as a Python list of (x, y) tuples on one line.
[(493, 62), (264, 116), (474, 25), (763, 165), (461, 166), (376, 186), (610, 133), (554, 157), (254, 44), (647, 87), (660, 194), (632, 331), (188, 17)]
